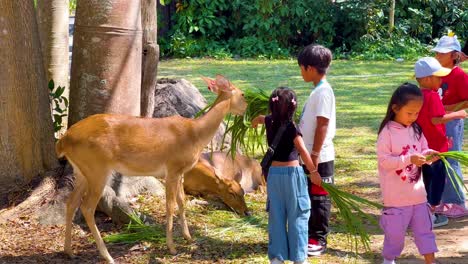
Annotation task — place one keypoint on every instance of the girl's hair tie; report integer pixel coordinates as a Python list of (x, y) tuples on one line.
[(293, 101), (274, 99)]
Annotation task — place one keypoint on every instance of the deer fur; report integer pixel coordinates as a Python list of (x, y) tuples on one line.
[(240, 168), (135, 146), (203, 180)]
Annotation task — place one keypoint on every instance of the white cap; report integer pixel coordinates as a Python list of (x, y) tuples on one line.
[(429, 66), (447, 44)]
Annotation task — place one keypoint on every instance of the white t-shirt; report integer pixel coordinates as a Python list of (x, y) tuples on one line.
[(321, 102)]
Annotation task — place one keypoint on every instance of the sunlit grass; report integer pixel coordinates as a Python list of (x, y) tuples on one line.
[(362, 91)]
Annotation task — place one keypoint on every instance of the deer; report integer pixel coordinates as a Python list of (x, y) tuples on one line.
[(134, 146), (240, 168), (204, 180)]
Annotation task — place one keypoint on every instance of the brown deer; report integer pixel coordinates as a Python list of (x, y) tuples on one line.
[(134, 146), (204, 180)]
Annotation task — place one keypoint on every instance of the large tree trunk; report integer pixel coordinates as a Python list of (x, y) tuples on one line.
[(106, 60), (106, 76), (26, 132), (150, 56), (52, 16)]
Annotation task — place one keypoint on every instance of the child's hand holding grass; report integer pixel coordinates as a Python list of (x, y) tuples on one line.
[(431, 156), (418, 159)]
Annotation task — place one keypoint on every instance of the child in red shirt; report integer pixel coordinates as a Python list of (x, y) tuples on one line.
[(431, 119), (454, 93)]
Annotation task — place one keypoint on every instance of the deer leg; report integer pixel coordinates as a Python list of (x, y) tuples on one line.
[(181, 204), (72, 203), (171, 193), (88, 207)]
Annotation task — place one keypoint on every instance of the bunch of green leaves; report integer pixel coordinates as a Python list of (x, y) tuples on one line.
[(136, 231), (58, 105), (454, 178), (243, 136), (350, 209)]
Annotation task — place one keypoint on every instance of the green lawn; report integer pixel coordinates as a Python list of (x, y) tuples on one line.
[(362, 91)]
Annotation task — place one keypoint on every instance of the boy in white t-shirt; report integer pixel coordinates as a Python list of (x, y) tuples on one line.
[(318, 126)]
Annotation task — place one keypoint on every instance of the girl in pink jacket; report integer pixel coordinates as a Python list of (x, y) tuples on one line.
[(401, 151)]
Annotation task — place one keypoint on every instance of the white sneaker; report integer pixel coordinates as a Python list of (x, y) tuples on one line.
[(301, 262), (386, 261)]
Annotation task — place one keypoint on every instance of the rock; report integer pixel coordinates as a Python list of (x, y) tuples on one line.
[(180, 97)]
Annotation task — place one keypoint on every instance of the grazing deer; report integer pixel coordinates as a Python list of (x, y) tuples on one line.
[(242, 169), (204, 180), (134, 146)]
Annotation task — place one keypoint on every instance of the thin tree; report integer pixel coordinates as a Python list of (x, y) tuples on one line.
[(391, 16), (26, 133), (53, 18), (150, 56)]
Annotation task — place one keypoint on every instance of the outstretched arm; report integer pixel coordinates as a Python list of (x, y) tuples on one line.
[(448, 117), (258, 120)]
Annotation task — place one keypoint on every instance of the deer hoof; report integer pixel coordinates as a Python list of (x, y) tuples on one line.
[(188, 237), (173, 251)]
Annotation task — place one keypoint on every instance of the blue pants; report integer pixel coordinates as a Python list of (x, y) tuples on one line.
[(288, 211), (452, 195)]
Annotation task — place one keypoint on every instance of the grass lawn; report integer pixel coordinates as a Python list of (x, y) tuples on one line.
[(362, 91)]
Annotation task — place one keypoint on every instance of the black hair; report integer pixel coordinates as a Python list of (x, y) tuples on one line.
[(401, 96), (282, 105), (316, 56), (465, 48)]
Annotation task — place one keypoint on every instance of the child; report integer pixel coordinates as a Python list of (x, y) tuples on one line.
[(401, 151), (318, 126), (288, 201), (454, 95), (431, 119)]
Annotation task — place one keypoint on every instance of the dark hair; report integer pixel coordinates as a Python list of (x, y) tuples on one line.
[(316, 56), (282, 105), (465, 48), (401, 96)]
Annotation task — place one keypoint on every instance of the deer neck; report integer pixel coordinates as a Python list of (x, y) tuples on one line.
[(207, 125)]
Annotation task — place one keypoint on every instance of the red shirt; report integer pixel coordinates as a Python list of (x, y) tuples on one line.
[(435, 134), (455, 87)]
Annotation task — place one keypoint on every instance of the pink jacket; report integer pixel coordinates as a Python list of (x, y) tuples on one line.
[(400, 181)]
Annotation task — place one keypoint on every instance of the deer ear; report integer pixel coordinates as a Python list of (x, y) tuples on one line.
[(211, 84), (223, 83)]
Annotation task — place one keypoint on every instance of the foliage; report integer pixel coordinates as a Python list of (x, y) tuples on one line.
[(454, 178), (350, 210), (355, 29), (136, 231), (72, 6), (58, 104)]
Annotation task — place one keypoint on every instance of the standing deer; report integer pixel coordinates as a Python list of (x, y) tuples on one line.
[(135, 146)]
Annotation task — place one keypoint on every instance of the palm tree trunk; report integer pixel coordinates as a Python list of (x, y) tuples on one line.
[(26, 133), (52, 16), (106, 60)]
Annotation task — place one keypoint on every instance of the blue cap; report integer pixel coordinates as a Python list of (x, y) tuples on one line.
[(447, 44), (429, 66)]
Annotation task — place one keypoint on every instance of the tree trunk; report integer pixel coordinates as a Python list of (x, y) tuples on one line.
[(52, 16), (391, 16), (106, 60), (26, 133), (150, 56)]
